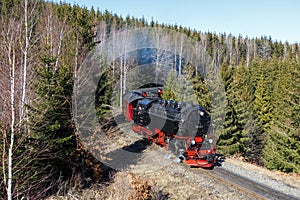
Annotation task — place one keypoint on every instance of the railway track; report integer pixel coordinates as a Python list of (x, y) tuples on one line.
[(249, 186)]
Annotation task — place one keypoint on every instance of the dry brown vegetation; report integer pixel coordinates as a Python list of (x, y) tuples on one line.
[(123, 186)]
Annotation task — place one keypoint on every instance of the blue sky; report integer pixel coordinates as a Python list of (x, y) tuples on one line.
[(252, 18)]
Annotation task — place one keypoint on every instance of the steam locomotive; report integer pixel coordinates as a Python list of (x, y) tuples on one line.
[(178, 126)]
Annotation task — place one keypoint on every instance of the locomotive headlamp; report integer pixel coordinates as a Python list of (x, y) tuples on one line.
[(201, 113), (210, 141), (159, 92)]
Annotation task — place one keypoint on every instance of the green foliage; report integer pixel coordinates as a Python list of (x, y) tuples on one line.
[(180, 88), (103, 95), (51, 118), (201, 91), (272, 134), (262, 104), (229, 142), (217, 99), (187, 83), (283, 143), (233, 137), (255, 141), (171, 87), (282, 152), (51, 123)]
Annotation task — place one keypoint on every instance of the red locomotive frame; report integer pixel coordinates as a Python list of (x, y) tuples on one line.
[(199, 150)]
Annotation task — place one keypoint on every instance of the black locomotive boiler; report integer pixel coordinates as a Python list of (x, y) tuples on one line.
[(163, 121)]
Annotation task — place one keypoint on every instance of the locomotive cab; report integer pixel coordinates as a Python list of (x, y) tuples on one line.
[(131, 99), (141, 112)]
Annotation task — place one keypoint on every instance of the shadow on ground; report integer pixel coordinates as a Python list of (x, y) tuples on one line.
[(122, 158)]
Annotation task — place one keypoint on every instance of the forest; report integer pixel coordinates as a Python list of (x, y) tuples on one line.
[(43, 46)]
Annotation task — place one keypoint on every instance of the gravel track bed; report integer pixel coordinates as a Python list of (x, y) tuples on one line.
[(261, 179)]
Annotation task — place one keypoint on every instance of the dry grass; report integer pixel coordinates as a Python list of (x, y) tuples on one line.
[(124, 186), (128, 186)]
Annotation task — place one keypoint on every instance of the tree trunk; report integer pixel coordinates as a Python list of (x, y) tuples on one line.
[(12, 125), (180, 55)]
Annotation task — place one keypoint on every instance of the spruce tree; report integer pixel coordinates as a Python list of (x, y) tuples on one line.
[(233, 136), (217, 99), (171, 87), (186, 84), (51, 117), (201, 91), (227, 143), (104, 94), (262, 104), (281, 151)]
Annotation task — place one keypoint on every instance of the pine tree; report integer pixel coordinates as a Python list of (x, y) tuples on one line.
[(51, 116), (262, 104), (233, 137), (281, 151), (251, 136), (171, 87), (201, 92), (104, 95), (217, 99), (186, 85), (227, 142)]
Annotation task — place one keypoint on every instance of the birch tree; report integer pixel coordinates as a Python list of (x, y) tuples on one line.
[(18, 40), (180, 55), (10, 32), (122, 41), (11, 61)]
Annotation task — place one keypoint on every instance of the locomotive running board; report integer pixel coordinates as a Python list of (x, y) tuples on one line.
[(199, 163)]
